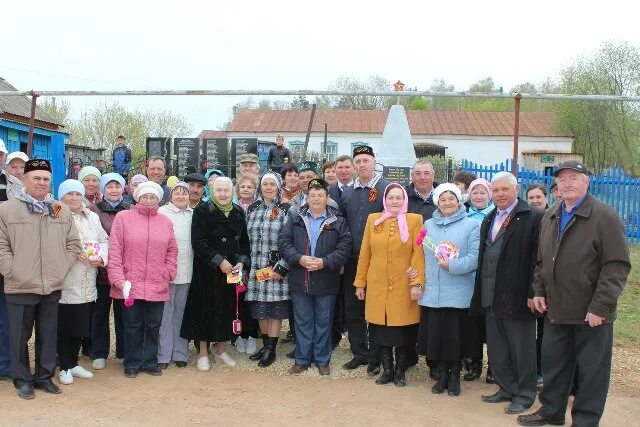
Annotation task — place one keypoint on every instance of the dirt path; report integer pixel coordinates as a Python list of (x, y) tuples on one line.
[(245, 394)]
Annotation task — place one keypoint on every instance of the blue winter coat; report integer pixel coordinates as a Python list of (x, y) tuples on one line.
[(453, 288), (481, 214)]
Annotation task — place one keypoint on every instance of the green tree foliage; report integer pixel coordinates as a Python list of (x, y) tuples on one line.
[(300, 102), (607, 133)]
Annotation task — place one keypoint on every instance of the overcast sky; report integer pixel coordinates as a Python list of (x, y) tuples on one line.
[(235, 44)]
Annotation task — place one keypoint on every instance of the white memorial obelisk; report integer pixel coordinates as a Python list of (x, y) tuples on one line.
[(396, 147)]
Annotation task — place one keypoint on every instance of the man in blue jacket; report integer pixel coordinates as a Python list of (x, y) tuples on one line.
[(121, 157)]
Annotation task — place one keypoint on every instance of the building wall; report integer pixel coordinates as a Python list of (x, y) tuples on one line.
[(479, 149), (47, 145)]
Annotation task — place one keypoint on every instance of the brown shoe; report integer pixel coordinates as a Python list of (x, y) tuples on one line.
[(324, 370), (297, 369)]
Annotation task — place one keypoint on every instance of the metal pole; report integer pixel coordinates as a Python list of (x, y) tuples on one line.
[(319, 93), (32, 120), (306, 139), (516, 135), (324, 149)]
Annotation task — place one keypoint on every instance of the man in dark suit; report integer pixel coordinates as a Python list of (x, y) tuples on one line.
[(345, 172), (504, 293)]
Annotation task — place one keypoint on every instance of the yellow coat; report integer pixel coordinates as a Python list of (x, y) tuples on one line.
[(382, 270)]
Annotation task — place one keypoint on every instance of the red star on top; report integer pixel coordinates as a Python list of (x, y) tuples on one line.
[(398, 86)]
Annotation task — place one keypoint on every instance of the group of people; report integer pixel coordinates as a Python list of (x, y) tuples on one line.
[(434, 270)]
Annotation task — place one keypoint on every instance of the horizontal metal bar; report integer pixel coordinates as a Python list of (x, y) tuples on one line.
[(316, 93)]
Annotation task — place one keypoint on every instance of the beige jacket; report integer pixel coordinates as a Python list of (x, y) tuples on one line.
[(80, 283), (36, 250)]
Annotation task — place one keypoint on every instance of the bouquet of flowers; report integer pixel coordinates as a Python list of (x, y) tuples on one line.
[(91, 249), (444, 250)]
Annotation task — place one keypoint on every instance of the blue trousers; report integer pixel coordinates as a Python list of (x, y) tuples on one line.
[(5, 358), (141, 332), (313, 321)]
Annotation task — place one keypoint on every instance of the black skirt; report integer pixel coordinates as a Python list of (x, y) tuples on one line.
[(270, 310), (74, 320), (394, 336), (442, 335)]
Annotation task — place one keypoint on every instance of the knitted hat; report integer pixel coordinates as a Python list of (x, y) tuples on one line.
[(148, 187), (69, 186), (88, 170), (180, 184), (108, 177), (444, 188), (17, 155), (482, 182), (138, 179)]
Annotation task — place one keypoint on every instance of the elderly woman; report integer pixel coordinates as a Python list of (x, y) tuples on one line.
[(79, 292), (269, 297), (387, 255), (291, 182), (481, 206), (247, 341), (211, 176), (89, 176), (15, 163), (142, 261), (480, 198), (450, 282), (221, 251), (246, 190), (111, 186), (171, 345), (316, 244), (133, 184)]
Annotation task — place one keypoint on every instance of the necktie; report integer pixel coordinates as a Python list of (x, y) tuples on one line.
[(497, 224)]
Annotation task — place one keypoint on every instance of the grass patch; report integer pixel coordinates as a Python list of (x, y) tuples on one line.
[(627, 327)]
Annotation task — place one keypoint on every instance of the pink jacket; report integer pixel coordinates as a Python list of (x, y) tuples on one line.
[(142, 250)]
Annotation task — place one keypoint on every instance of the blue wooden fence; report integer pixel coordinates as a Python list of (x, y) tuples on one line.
[(614, 187)]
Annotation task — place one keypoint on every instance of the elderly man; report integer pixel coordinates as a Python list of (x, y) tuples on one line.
[(249, 163), (156, 170), (197, 183), (38, 245), (583, 265), (357, 202), (503, 291), (420, 191), (278, 155)]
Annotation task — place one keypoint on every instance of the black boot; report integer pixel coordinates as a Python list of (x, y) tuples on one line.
[(490, 379), (258, 355), (399, 378), (387, 366), (453, 382), (442, 374), (269, 353), (475, 370)]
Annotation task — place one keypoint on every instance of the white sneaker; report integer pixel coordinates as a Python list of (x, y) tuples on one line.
[(241, 345), (203, 363), (226, 359), (252, 346), (65, 377), (99, 364), (80, 372)]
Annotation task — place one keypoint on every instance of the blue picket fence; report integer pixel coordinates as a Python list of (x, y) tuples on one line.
[(614, 187)]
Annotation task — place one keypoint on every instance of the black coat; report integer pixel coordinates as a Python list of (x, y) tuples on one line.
[(418, 205), (516, 264), (333, 246), (210, 307)]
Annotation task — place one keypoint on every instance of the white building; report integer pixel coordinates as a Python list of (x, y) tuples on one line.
[(483, 137)]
